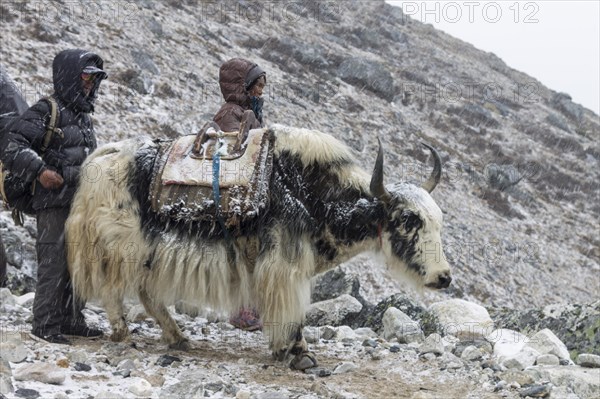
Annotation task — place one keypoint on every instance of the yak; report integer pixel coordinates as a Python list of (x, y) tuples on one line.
[(322, 209)]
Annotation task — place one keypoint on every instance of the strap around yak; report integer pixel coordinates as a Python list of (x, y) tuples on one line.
[(215, 186)]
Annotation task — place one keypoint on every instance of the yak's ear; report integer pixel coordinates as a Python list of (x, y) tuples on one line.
[(377, 187)]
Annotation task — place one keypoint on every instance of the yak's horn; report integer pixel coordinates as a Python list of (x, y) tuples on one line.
[(377, 188), (436, 175)]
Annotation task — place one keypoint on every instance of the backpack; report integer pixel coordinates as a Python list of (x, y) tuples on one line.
[(16, 193)]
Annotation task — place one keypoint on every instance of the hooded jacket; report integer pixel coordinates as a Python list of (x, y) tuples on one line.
[(67, 151), (12, 103), (235, 78)]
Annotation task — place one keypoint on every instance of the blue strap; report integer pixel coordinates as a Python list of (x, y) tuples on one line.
[(216, 193)]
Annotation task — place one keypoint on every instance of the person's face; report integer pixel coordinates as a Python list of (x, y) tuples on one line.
[(87, 82), (257, 89)]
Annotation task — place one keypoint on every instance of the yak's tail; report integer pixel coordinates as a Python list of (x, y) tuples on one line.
[(104, 242)]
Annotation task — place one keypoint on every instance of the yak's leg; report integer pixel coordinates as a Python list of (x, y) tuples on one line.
[(171, 334), (283, 289), (303, 359), (113, 303)]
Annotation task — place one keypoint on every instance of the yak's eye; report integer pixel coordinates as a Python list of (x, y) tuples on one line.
[(410, 221)]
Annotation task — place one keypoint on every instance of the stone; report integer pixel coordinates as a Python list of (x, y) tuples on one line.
[(536, 391), (155, 380), (483, 345), (243, 394), (26, 300), (471, 353), (167, 360), (42, 372), (519, 377), (432, 344), (318, 371), (547, 360), (14, 352), (311, 334), (345, 333), (5, 367), (371, 343), (506, 342), (526, 357), (136, 314), (396, 324), (367, 74), (588, 360), (6, 386), (63, 363), (82, 367), (141, 387), (463, 319), (394, 348), (345, 367), (334, 283), (7, 298), (126, 365), (545, 342), (108, 395), (328, 332), (584, 382), (145, 61), (27, 393), (364, 333), (333, 312), (78, 356)]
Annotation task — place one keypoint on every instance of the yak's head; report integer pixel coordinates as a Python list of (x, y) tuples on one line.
[(411, 230)]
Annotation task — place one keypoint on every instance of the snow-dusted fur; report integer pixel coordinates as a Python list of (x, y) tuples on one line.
[(110, 255)]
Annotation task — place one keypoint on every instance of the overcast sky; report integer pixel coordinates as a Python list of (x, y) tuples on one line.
[(556, 42)]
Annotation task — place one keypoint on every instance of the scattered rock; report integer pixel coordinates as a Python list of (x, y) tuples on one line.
[(318, 371), (14, 352), (582, 381), (521, 360), (367, 74), (82, 367), (334, 283), (42, 372), (27, 393), (365, 333), (6, 386), (141, 387), (464, 320), (345, 333), (545, 342), (108, 395), (396, 324), (6, 298), (333, 312), (519, 377), (588, 360), (471, 353), (345, 367), (370, 343), (167, 360), (536, 391), (26, 300), (547, 360), (432, 344), (136, 314), (394, 348), (63, 363), (328, 332), (311, 334), (78, 356)]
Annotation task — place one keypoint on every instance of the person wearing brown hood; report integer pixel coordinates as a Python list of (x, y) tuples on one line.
[(242, 83), (55, 168)]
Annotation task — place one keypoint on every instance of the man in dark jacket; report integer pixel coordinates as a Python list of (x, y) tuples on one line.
[(12, 105), (76, 76), (242, 83)]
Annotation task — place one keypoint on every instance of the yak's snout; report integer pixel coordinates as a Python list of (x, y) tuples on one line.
[(443, 281)]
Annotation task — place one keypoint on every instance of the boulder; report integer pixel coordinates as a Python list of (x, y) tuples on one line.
[(42, 372), (432, 344), (334, 312), (368, 74), (545, 342), (582, 381), (588, 360), (463, 319), (396, 324)]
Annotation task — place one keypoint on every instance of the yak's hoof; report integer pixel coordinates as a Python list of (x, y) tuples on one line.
[(119, 335), (303, 361), (181, 345)]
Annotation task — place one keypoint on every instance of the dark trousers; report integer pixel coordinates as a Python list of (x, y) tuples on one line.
[(54, 305), (2, 264)]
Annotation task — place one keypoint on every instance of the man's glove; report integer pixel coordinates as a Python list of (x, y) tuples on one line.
[(50, 179)]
